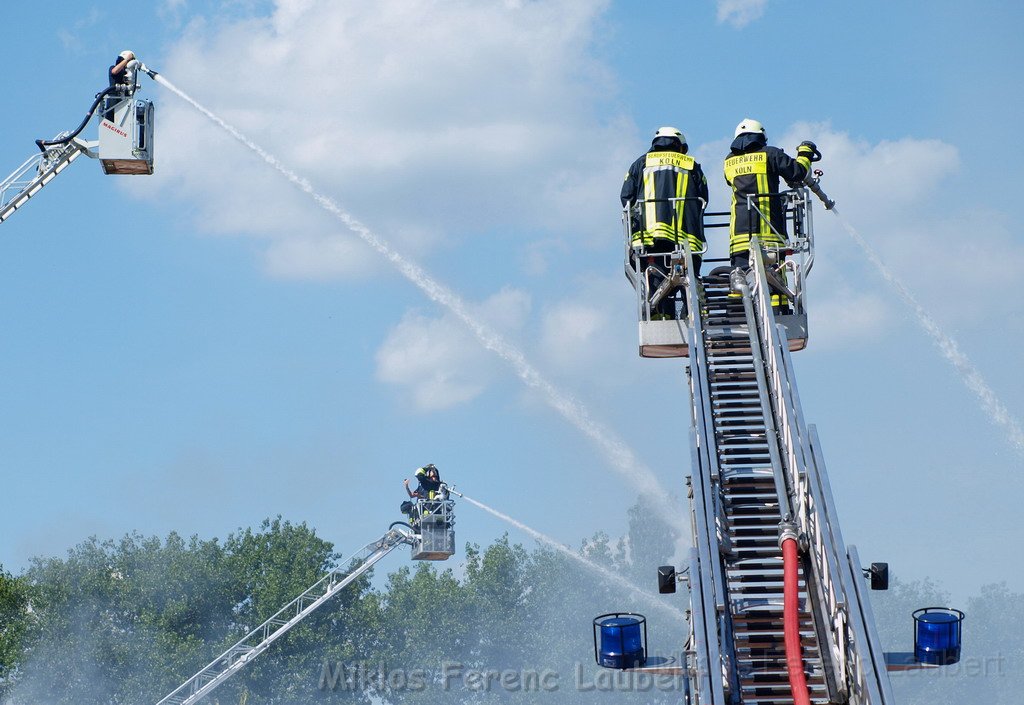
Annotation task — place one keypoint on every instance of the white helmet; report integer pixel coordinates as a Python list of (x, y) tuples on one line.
[(126, 54), (670, 132), (750, 126)]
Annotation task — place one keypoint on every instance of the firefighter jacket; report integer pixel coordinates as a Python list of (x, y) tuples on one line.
[(428, 486), (664, 173), (753, 169)]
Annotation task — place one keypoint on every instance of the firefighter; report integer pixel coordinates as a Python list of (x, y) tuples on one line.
[(753, 168), (430, 482), (659, 224), (428, 492), (118, 72), (121, 76)]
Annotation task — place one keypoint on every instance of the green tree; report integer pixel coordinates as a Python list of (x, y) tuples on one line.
[(275, 565), (426, 621), (650, 543), (15, 624), (126, 622), (115, 620), (991, 668)]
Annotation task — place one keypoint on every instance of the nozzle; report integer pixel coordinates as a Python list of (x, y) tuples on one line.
[(148, 71), (812, 184), (451, 489), (829, 203)]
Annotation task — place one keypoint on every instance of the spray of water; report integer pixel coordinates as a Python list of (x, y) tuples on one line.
[(949, 348), (608, 575), (618, 454)]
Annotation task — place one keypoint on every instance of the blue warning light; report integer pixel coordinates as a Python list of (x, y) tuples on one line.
[(623, 640), (937, 635)]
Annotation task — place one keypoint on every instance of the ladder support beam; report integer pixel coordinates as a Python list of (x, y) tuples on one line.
[(259, 639), (756, 465)]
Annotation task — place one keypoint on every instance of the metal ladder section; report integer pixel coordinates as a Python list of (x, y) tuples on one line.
[(34, 173), (748, 463), (259, 639)]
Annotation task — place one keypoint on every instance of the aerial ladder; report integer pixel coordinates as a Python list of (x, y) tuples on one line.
[(778, 601), (777, 598), (431, 537), (124, 145)]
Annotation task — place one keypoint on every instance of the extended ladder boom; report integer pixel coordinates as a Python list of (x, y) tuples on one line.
[(759, 477), (37, 171), (125, 144), (259, 639)]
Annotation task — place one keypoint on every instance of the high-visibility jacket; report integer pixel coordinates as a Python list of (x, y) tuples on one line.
[(428, 486), (661, 174), (753, 169)]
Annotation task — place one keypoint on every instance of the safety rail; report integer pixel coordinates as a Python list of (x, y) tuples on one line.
[(797, 257), (35, 173), (634, 256), (703, 666), (635, 207), (871, 670), (708, 592), (838, 596), (259, 639), (796, 459), (442, 507)]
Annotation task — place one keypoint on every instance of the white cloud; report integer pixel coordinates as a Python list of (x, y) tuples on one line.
[(436, 119), (571, 327), (589, 334), (846, 316), (588, 337), (435, 359), (740, 13), (891, 174), (440, 122), (902, 196), (315, 257), (438, 361), (71, 39)]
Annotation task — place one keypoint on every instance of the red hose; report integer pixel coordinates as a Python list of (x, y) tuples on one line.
[(791, 622)]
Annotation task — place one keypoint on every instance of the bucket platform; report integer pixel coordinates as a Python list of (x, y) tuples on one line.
[(435, 530), (126, 136)]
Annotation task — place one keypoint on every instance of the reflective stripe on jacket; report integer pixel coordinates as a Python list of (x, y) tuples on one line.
[(655, 178), (753, 170)]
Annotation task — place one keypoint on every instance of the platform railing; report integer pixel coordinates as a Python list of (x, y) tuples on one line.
[(638, 269), (852, 672), (34, 173)]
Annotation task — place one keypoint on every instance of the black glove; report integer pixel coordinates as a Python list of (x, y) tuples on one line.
[(808, 149)]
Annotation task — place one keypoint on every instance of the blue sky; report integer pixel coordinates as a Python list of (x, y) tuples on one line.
[(203, 348)]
